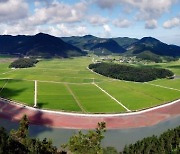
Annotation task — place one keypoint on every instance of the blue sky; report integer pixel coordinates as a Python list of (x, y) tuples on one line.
[(103, 18)]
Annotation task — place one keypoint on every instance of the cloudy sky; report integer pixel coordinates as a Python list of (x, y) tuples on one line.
[(103, 18)]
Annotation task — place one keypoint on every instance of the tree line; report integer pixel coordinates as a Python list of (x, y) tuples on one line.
[(130, 73), (19, 142), (150, 57), (155, 58), (23, 63), (166, 143)]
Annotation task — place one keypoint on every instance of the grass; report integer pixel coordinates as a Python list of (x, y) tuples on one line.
[(21, 91), (56, 96), (125, 93), (168, 83), (94, 100), (65, 70), (73, 90), (4, 68)]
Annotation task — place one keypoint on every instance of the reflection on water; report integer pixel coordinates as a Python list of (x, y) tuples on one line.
[(117, 138)]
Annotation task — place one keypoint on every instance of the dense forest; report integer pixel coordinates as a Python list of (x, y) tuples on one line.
[(166, 143), (130, 73), (18, 141), (23, 63)]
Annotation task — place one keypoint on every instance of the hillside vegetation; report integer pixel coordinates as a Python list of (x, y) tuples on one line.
[(130, 73), (48, 46), (168, 142), (154, 46)]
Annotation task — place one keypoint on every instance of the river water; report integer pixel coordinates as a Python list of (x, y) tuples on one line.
[(117, 138)]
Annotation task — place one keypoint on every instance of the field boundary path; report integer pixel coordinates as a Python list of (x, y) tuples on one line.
[(149, 117), (111, 97), (35, 93), (9, 71), (75, 98), (156, 85), (4, 86)]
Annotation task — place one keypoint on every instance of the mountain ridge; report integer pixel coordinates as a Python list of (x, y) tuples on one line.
[(46, 45), (154, 46), (40, 44)]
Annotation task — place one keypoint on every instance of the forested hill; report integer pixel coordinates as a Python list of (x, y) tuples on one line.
[(99, 45), (107, 47), (38, 45), (45, 45), (130, 73), (154, 46), (89, 41), (124, 45)]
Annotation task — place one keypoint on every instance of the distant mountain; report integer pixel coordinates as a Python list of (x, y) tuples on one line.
[(83, 42), (49, 46), (125, 41), (152, 45), (107, 47), (95, 44), (38, 45)]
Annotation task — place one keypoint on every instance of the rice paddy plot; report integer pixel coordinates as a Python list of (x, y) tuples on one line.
[(4, 68), (2, 84), (18, 90), (56, 70), (94, 100), (55, 96), (66, 84), (163, 94), (173, 83), (134, 96)]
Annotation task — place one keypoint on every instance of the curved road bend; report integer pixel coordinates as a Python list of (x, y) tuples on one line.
[(149, 117)]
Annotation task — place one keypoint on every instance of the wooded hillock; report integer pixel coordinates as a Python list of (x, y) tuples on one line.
[(23, 63), (130, 73)]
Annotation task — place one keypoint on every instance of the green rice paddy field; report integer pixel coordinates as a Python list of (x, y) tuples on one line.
[(67, 85)]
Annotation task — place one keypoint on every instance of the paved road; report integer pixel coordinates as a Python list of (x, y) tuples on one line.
[(144, 118)]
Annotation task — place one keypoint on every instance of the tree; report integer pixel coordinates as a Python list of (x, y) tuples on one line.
[(168, 142), (3, 140), (23, 63), (130, 73), (24, 144), (89, 143), (22, 133), (110, 150)]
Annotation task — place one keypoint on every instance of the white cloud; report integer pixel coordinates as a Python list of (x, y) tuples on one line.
[(65, 30), (151, 24), (107, 29), (18, 29), (12, 10), (147, 9), (174, 22), (56, 30), (98, 20), (122, 23), (51, 17), (58, 12)]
